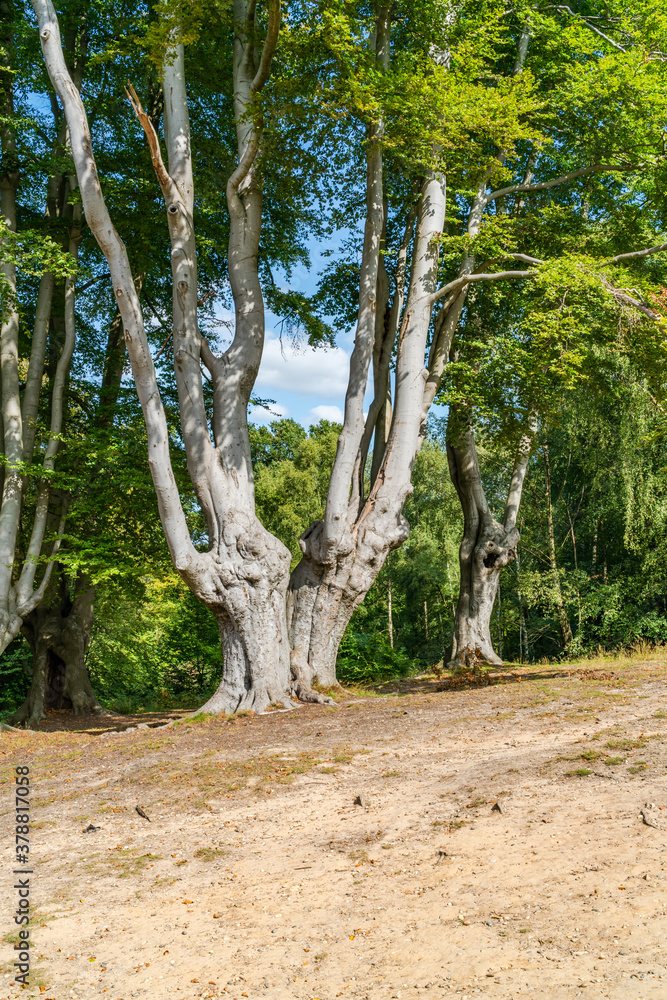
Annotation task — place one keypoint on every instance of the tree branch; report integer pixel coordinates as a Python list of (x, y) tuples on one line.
[(587, 24), (97, 216), (519, 474), (93, 281), (637, 253), (465, 279), (269, 47), (164, 180), (543, 185), (635, 303)]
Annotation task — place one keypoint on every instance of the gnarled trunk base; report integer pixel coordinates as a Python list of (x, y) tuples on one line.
[(244, 585), (256, 668), (59, 635), (481, 563), (324, 592)]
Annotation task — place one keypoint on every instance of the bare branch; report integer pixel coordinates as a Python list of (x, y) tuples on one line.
[(637, 253), (587, 24), (164, 180), (269, 48), (543, 185), (164, 346), (465, 279), (93, 281), (628, 300)]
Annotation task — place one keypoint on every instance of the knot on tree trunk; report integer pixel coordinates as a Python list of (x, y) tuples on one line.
[(325, 548), (495, 548)]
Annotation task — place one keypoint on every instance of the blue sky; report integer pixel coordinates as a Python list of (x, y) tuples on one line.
[(307, 384)]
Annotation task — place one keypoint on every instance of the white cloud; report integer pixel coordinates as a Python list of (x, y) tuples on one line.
[(265, 414), (332, 413), (313, 371)]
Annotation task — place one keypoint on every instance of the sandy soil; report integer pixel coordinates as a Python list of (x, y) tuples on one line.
[(258, 875)]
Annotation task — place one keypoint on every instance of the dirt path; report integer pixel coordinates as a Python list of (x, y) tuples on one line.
[(258, 876)]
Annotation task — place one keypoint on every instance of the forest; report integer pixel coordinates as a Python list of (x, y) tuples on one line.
[(476, 192)]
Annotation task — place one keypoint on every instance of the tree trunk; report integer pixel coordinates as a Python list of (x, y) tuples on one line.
[(244, 586), (326, 588), (58, 632), (486, 547), (390, 616), (559, 604)]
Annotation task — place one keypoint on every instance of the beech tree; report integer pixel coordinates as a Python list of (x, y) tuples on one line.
[(57, 303), (33, 513), (578, 290), (437, 101), (363, 521), (512, 384)]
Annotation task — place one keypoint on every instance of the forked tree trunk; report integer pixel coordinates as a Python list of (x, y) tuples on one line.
[(323, 595), (487, 547), (58, 632), (244, 587), (243, 576), (343, 553)]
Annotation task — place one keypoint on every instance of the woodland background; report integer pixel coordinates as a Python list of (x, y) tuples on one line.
[(154, 645)]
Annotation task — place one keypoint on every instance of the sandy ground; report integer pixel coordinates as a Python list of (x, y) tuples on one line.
[(258, 875)]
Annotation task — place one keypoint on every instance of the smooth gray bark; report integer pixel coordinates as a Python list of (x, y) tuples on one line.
[(243, 576), (18, 593), (332, 580), (487, 546)]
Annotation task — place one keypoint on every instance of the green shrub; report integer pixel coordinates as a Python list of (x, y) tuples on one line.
[(365, 659)]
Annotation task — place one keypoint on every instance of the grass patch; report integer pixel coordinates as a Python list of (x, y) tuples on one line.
[(579, 772), (626, 744), (212, 777), (455, 824), (210, 853), (191, 720), (611, 761), (127, 863)]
